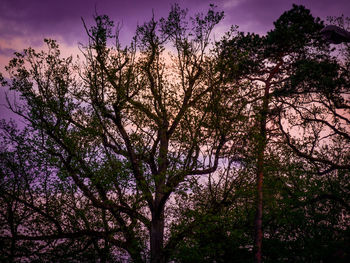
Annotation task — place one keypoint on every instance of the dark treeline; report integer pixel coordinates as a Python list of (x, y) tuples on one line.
[(178, 149)]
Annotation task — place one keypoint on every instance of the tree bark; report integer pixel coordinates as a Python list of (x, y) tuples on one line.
[(260, 175), (157, 237), (259, 212)]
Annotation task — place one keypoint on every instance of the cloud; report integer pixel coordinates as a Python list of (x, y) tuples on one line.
[(231, 3), (6, 51)]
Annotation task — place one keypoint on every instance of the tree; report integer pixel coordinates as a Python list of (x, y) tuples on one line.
[(44, 216), (291, 64), (305, 215), (125, 128), (296, 138), (117, 147)]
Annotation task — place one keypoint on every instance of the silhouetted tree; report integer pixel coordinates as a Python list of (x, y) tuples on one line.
[(144, 153), (125, 127), (288, 68)]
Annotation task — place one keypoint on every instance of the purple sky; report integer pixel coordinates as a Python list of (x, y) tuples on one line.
[(25, 23)]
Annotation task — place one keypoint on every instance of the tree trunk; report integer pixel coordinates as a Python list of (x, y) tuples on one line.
[(260, 175), (157, 236), (259, 212)]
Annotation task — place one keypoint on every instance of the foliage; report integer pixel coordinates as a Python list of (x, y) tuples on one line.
[(140, 153), (298, 110)]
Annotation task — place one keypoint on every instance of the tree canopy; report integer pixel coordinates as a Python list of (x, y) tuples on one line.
[(176, 148)]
